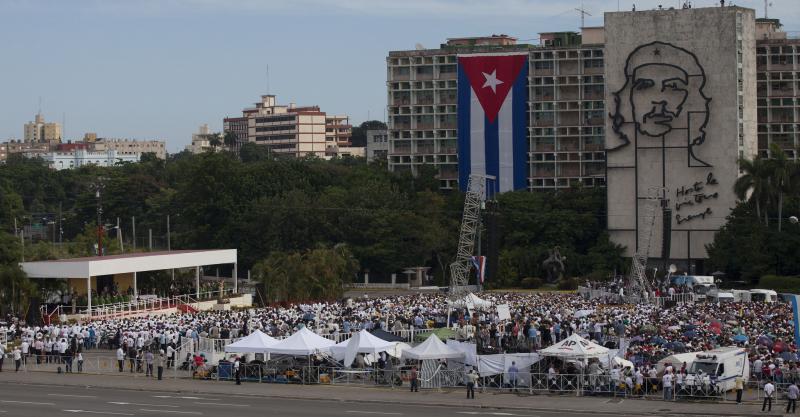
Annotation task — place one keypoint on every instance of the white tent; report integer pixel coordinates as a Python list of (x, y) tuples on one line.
[(432, 348), (575, 347), (472, 302), (256, 342), (303, 343), (677, 361), (361, 342)]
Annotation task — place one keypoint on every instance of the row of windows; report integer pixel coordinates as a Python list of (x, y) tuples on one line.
[(275, 128), (276, 119), (275, 137)]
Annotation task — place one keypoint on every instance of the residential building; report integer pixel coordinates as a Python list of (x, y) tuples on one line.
[(377, 145), (130, 146), (201, 141), (80, 157), (778, 80), (27, 149), (237, 126), (41, 131)]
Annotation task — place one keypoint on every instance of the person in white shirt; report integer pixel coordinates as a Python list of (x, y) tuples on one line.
[(666, 382), (2, 356), (17, 358), (769, 391), (120, 358)]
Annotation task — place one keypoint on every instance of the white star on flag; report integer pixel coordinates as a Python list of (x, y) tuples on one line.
[(491, 81)]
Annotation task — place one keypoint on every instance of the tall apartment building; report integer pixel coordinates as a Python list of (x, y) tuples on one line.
[(293, 131), (237, 126), (778, 86), (40, 131), (566, 111), (201, 141)]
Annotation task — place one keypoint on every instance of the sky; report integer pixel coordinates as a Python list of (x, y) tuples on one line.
[(157, 69)]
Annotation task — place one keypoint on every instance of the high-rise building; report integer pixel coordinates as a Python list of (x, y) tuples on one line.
[(377, 145), (238, 127), (778, 80), (40, 131), (566, 108)]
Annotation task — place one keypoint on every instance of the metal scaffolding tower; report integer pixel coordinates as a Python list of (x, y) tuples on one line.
[(639, 288), (459, 269)]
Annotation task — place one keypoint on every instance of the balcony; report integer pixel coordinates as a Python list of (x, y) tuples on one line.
[(782, 92), (448, 150), (447, 75), (543, 147), (425, 150), (401, 150), (425, 126), (543, 122), (594, 121), (447, 125), (425, 100), (401, 102)]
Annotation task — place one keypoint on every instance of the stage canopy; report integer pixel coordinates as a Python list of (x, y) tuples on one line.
[(575, 347), (302, 343), (432, 348), (361, 342), (256, 342)]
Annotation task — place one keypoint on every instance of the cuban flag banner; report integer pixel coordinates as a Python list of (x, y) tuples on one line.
[(479, 262), (492, 119), (796, 315)]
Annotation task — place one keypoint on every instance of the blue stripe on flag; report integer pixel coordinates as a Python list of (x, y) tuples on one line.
[(464, 95), (520, 125), (492, 149)]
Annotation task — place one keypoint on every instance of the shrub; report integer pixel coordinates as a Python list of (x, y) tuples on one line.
[(790, 284), (568, 284), (532, 283)]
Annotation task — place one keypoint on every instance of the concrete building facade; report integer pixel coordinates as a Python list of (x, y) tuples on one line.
[(40, 131), (377, 145), (201, 141), (681, 104), (237, 126), (130, 146), (81, 157)]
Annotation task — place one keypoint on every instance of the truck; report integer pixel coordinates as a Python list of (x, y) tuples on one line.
[(722, 365), (741, 296), (702, 286)]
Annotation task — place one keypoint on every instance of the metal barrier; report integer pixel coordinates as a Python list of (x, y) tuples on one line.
[(98, 365)]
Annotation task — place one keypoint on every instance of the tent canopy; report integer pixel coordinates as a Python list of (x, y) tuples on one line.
[(302, 343), (575, 347), (256, 342), (361, 342), (389, 337), (472, 302), (432, 348)]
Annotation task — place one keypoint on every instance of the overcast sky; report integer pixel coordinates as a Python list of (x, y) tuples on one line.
[(160, 68)]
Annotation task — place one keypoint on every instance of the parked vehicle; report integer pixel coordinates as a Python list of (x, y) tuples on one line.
[(767, 296), (722, 366)]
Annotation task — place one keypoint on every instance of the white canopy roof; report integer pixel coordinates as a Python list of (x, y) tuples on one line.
[(361, 342), (472, 302), (575, 347), (432, 348), (256, 342), (304, 342)]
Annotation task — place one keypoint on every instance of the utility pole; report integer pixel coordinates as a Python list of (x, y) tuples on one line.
[(150, 239), (60, 225), (16, 232), (169, 245), (22, 242), (119, 237), (98, 186)]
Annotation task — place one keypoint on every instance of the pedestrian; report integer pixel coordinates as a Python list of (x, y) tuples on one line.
[(666, 382), (2, 356), (148, 360), (17, 358), (791, 395), (414, 379), (769, 390), (739, 389), (472, 378), (80, 361), (120, 358), (512, 375), (236, 366), (160, 364)]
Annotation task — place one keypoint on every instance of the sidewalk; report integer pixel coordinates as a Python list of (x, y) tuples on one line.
[(360, 394)]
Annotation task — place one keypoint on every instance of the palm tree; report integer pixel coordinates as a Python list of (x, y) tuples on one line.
[(754, 185), (230, 140), (782, 170), (215, 141)]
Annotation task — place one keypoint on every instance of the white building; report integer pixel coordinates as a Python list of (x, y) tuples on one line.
[(201, 141), (377, 144), (80, 157), (131, 146)]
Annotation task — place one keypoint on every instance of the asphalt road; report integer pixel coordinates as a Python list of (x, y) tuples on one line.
[(32, 400)]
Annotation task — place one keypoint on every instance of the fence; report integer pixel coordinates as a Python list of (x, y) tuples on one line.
[(597, 293), (101, 365)]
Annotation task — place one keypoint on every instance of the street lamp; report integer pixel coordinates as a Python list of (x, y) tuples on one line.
[(793, 219)]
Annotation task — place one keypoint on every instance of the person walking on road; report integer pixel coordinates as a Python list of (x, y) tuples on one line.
[(791, 395), (236, 366), (472, 378), (17, 358), (121, 359), (512, 375), (666, 382), (160, 364), (769, 391), (414, 379), (739, 389), (2, 356), (148, 360)]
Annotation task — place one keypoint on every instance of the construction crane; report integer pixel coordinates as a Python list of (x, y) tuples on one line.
[(470, 221), (639, 288)]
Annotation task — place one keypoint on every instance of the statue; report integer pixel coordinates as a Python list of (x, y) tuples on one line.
[(554, 265)]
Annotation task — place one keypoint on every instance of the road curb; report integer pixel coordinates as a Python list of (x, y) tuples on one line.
[(389, 401)]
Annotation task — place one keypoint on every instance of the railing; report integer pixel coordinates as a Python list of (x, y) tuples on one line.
[(378, 285)]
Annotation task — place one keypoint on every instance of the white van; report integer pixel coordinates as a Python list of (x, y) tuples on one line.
[(724, 297), (723, 365), (765, 296)]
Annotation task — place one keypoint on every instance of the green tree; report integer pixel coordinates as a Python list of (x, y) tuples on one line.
[(754, 184)]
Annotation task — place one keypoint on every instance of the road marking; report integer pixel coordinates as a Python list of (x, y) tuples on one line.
[(97, 412), (143, 405), (25, 402), (170, 411), (70, 395), (373, 412), (186, 398), (485, 413), (223, 404)]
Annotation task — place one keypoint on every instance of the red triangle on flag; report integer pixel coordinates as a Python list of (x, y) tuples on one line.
[(491, 78)]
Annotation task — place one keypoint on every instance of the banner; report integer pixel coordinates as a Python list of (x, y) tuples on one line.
[(796, 316), (493, 119), (503, 313)]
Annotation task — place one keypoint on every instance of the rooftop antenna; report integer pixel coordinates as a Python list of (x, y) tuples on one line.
[(63, 125), (267, 79), (40, 105), (767, 4), (583, 13)]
